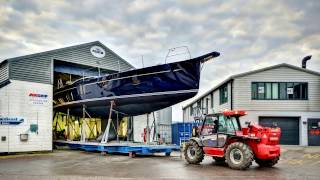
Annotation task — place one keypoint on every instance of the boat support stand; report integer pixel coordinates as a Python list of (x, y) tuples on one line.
[(106, 132)]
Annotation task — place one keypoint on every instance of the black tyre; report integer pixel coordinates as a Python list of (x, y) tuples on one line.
[(193, 153), (219, 159), (239, 156), (268, 162)]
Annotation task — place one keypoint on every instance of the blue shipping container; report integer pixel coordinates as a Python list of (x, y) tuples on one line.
[(181, 132)]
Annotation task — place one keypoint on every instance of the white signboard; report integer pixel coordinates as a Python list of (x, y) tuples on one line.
[(97, 51), (289, 90), (38, 98), (260, 90), (11, 120)]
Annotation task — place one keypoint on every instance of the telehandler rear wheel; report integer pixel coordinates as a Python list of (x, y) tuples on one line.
[(193, 153)]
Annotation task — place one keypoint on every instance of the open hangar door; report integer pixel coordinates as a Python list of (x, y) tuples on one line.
[(289, 128), (314, 132)]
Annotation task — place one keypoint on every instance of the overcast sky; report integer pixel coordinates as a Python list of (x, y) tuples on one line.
[(250, 34)]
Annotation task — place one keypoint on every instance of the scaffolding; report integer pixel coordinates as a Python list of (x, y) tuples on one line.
[(87, 128), (66, 125)]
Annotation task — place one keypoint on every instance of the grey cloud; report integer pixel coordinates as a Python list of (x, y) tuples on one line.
[(25, 5), (249, 34)]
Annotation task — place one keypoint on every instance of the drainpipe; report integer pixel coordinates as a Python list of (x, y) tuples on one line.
[(231, 94)]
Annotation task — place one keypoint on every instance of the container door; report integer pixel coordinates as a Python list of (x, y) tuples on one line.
[(314, 132)]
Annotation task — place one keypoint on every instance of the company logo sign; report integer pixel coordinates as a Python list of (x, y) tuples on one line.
[(97, 51), (38, 95), (38, 98), (11, 120)]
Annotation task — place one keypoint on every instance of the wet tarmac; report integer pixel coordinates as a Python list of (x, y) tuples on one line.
[(295, 163)]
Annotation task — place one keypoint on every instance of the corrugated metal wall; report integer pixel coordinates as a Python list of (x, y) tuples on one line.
[(164, 116), (4, 72), (38, 68)]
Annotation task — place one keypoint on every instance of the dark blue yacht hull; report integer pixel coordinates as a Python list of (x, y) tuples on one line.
[(134, 92)]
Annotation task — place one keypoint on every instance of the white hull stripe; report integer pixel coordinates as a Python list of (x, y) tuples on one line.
[(128, 96)]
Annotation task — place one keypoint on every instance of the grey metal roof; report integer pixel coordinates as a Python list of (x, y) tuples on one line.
[(63, 49), (38, 67), (249, 73)]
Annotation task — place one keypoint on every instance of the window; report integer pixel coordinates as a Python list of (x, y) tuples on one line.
[(304, 90), (199, 103), (202, 106), (211, 100), (275, 90), (223, 94), (279, 90), (290, 90), (228, 124), (261, 91), (283, 90), (268, 91), (191, 110), (254, 91), (296, 91), (207, 106)]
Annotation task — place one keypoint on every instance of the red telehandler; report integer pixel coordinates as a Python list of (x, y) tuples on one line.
[(222, 137)]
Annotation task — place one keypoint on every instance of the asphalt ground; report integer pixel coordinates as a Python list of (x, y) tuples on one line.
[(296, 163)]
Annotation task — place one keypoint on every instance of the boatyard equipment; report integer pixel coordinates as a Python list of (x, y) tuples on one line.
[(222, 137)]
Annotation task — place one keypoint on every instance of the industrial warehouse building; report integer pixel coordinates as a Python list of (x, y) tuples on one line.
[(284, 95), (159, 125), (26, 90)]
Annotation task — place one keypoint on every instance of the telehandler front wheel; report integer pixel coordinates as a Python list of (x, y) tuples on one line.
[(193, 153)]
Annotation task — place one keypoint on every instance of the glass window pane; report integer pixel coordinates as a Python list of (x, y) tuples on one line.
[(207, 105), (304, 93), (290, 90), (222, 124), (268, 91), (226, 93), (202, 106), (283, 91), (223, 94), (297, 91), (254, 91), (211, 100), (260, 90), (229, 125), (275, 91)]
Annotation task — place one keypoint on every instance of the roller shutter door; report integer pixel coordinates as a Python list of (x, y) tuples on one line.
[(289, 128)]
